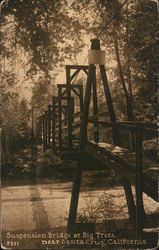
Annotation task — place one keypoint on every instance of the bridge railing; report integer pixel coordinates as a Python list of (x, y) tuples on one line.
[(48, 132)]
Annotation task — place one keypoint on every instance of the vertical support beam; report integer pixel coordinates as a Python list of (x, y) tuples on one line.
[(59, 118), (65, 115), (37, 130), (46, 129), (69, 107), (53, 123), (83, 132), (139, 177), (40, 133), (83, 139), (43, 119), (74, 200), (72, 109), (95, 108), (65, 121), (81, 97), (115, 132), (49, 126), (130, 202)]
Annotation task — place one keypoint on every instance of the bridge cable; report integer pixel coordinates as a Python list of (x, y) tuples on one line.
[(104, 29)]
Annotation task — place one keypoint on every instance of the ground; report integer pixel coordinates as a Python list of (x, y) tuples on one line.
[(41, 206)]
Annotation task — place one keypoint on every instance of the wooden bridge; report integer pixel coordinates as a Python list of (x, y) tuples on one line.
[(65, 127)]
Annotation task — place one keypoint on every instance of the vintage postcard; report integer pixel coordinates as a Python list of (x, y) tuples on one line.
[(79, 142)]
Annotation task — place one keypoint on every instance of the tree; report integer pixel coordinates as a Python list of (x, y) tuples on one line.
[(144, 47), (48, 35), (23, 127), (41, 98), (130, 37), (9, 99), (45, 30)]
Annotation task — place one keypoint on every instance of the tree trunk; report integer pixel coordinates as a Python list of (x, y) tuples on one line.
[(128, 95), (128, 62), (128, 103), (132, 140)]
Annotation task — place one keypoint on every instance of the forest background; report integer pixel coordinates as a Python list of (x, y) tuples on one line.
[(38, 38)]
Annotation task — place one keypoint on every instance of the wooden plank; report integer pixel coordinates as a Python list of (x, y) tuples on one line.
[(65, 84), (75, 91), (124, 168), (110, 164), (113, 124), (141, 124), (77, 67), (74, 74), (85, 71)]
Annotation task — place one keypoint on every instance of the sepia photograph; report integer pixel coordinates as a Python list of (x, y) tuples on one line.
[(79, 126)]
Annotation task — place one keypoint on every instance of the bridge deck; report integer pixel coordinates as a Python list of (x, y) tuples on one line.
[(124, 163)]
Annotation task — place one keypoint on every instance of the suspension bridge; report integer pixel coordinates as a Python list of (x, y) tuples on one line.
[(65, 127)]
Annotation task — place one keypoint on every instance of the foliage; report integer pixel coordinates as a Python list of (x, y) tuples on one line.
[(134, 28), (14, 120), (9, 99), (50, 32), (41, 95), (47, 34), (45, 30), (102, 210)]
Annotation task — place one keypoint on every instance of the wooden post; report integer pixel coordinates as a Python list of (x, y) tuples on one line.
[(115, 132), (46, 129), (139, 177), (69, 108), (81, 97), (65, 115), (44, 146), (95, 108), (59, 118), (49, 125), (74, 200), (72, 109), (37, 130), (83, 139), (53, 123), (40, 129), (130, 202)]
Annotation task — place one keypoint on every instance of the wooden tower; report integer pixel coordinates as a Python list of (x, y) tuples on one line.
[(96, 58)]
